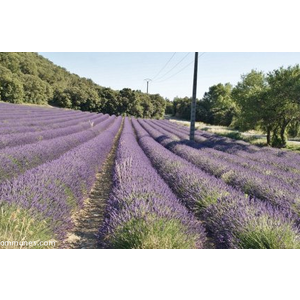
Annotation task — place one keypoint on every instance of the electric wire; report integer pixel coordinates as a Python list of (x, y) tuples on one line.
[(180, 70), (176, 72), (174, 66), (164, 66)]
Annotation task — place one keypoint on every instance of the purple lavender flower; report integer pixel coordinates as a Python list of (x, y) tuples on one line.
[(16, 160), (142, 211), (264, 185), (201, 192), (53, 190)]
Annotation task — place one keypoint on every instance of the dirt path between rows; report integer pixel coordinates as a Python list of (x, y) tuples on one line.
[(88, 220)]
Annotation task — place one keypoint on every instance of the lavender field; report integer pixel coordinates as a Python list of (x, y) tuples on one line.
[(149, 186)]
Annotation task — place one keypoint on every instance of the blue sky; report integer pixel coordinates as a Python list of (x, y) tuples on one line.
[(129, 69)]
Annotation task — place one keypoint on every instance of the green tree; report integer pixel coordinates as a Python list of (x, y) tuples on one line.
[(11, 89), (10, 60), (169, 107), (36, 90), (108, 101), (159, 105), (62, 99), (27, 64), (284, 88), (253, 100), (268, 102), (126, 100), (29, 77), (182, 108), (218, 105), (294, 128), (145, 104)]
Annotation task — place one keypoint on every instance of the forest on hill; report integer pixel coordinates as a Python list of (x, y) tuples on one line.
[(27, 77)]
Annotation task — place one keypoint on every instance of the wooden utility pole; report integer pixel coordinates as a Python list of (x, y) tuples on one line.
[(193, 104)]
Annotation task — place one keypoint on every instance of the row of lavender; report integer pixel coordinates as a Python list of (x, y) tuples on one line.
[(57, 176), (8, 111), (274, 186), (245, 162), (142, 211), (283, 159), (281, 163), (16, 160), (9, 117), (231, 218), (16, 139), (32, 122), (39, 128), (50, 178)]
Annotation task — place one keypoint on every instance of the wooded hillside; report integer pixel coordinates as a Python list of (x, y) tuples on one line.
[(27, 77)]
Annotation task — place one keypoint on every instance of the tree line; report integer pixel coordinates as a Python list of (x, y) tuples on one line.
[(267, 102), (27, 77)]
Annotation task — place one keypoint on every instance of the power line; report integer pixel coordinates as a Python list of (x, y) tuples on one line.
[(174, 66), (202, 54), (176, 72), (164, 66), (180, 70)]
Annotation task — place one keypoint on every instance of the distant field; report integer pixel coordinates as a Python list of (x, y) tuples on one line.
[(72, 179), (251, 136), (34, 105)]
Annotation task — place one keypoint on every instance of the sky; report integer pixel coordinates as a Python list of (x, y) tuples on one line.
[(171, 72)]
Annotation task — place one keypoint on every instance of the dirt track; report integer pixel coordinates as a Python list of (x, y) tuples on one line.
[(88, 220)]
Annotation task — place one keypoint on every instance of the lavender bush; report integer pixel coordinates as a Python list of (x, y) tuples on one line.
[(203, 193), (282, 159), (266, 187), (142, 212), (51, 126), (16, 160), (17, 139), (53, 190), (30, 121)]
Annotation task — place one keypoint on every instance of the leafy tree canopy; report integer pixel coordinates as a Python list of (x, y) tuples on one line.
[(31, 78), (269, 102)]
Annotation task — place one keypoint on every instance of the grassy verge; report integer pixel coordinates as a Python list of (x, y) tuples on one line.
[(253, 137), (20, 230), (152, 232)]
